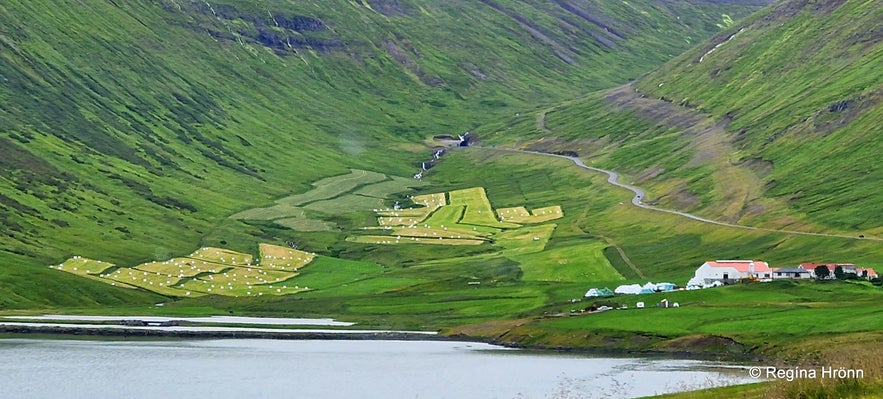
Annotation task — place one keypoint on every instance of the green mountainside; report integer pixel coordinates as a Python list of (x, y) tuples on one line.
[(776, 121), (130, 131), (800, 89), (185, 157)]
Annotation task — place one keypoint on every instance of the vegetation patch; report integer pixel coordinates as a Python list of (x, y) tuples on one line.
[(360, 190), (521, 215), (208, 270), (478, 208), (469, 219)]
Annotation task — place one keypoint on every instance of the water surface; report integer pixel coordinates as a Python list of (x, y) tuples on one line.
[(38, 368)]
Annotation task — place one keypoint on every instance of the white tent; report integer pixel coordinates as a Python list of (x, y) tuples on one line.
[(695, 282), (633, 289)]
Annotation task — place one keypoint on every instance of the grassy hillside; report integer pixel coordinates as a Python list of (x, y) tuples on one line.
[(775, 121), (799, 88), (430, 286), (130, 131)]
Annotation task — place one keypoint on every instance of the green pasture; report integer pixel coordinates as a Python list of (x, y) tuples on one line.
[(576, 263), (360, 190), (335, 186), (791, 308), (335, 277), (434, 286), (304, 224), (383, 189), (524, 240), (179, 153), (469, 302)]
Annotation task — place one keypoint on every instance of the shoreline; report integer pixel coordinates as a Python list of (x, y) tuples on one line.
[(102, 331), (131, 332)]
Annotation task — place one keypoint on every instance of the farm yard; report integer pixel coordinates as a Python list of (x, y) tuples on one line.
[(208, 270)]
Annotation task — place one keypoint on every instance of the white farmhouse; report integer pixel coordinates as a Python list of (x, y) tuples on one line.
[(731, 271)]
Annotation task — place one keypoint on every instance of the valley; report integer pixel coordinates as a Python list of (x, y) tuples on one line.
[(182, 158)]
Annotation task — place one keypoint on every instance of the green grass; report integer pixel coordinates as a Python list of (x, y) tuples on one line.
[(817, 131), (402, 286), (574, 258), (132, 131), (525, 240), (707, 137), (384, 189), (577, 263), (787, 307)]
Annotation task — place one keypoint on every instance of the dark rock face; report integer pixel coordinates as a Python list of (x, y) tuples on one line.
[(284, 33)]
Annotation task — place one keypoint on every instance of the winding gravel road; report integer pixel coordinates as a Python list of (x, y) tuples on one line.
[(638, 200)]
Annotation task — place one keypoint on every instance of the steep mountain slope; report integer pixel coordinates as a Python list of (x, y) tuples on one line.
[(802, 94), (775, 121), (129, 130)]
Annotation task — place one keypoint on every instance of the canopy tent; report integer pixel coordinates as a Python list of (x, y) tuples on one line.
[(630, 289), (665, 287), (599, 293)]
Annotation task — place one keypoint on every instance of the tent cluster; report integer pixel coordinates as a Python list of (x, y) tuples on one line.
[(649, 288), (599, 293), (630, 289)]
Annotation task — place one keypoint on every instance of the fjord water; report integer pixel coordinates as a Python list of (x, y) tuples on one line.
[(41, 368)]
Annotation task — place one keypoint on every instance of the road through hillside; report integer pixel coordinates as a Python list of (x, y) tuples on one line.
[(638, 200)]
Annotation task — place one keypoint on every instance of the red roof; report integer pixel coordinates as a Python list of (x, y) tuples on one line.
[(830, 266), (743, 266), (871, 272)]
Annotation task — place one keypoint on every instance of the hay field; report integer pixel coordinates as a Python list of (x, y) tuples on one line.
[(88, 268), (414, 240), (478, 208), (282, 258), (521, 215), (221, 255), (468, 219), (208, 270), (412, 216)]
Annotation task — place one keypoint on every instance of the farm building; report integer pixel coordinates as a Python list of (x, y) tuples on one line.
[(808, 271), (792, 273), (731, 271), (847, 268), (867, 273)]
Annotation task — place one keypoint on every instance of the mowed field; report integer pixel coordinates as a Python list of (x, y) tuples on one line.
[(360, 190), (467, 219), (208, 270)]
